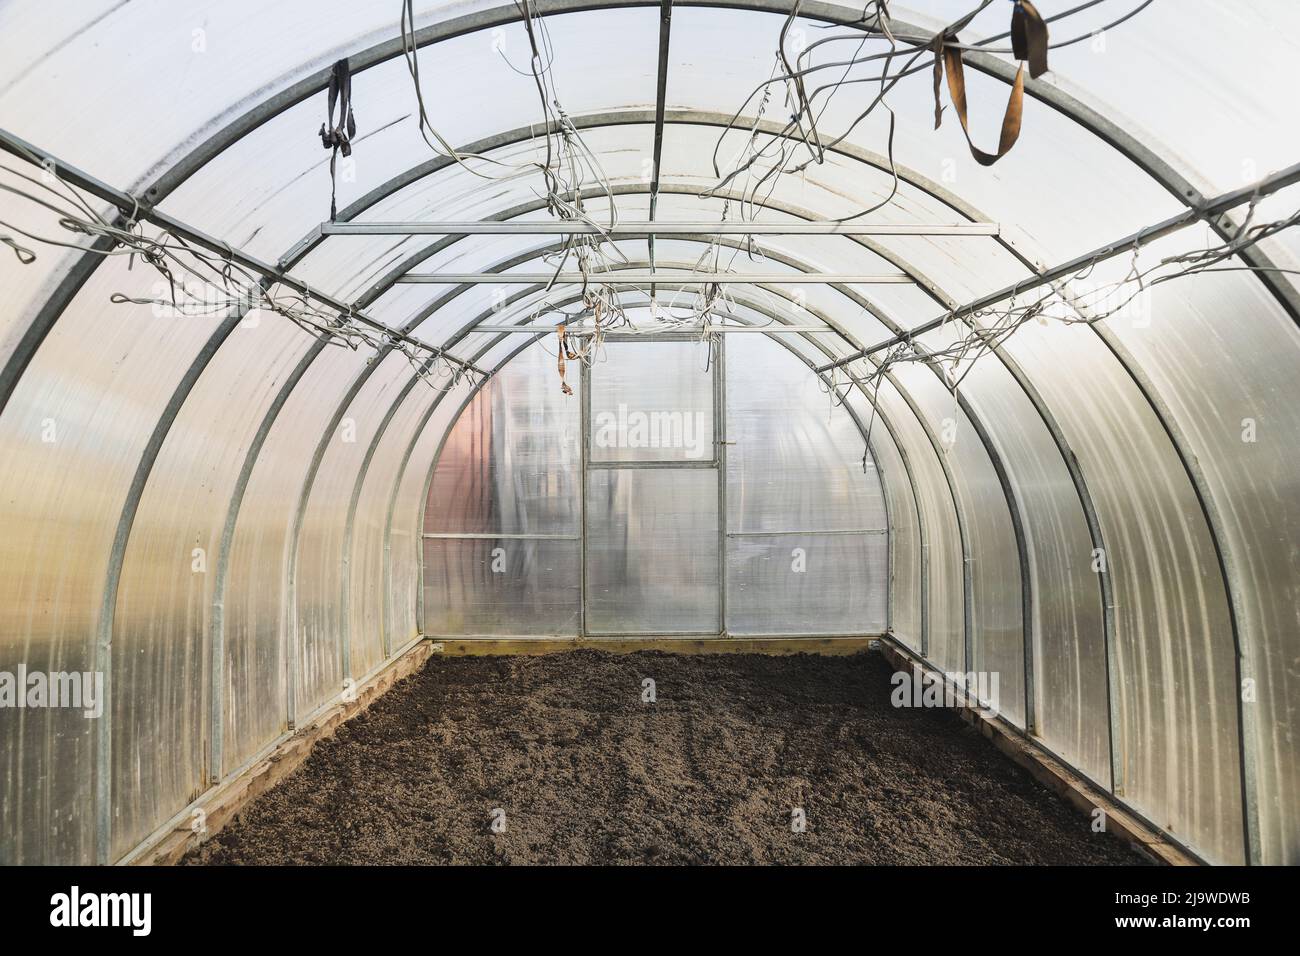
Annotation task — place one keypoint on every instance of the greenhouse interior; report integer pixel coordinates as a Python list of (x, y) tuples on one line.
[(668, 431)]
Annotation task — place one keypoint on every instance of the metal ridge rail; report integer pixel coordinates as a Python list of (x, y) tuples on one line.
[(543, 227), (646, 278), (631, 334)]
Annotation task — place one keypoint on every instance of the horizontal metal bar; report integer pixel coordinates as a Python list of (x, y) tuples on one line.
[(669, 279), (666, 635), (1207, 210), (504, 537), (657, 463), (138, 209), (624, 333), (543, 227), (654, 463), (760, 534)]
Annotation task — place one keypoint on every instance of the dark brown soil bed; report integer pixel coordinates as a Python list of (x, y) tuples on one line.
[(586, 772)]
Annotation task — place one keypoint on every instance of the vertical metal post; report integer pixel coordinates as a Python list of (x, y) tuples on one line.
[(720, 459), (584, 417)]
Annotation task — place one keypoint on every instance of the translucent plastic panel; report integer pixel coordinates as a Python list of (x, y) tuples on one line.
[(1228, 115), (367, 574), (652, 551), (942, 557), (794, 462), (166, 596), (71, 439), (512, 463), (1046, 186), (1173, 656), (406, 543), (997, 643), (494, 586), (652, 401), (1222, 354), (905, 588), (283, 174), (806, 583), (215, 59), (1069, 667), (257, 653), (26, 288), (260, 578), (319, 573)]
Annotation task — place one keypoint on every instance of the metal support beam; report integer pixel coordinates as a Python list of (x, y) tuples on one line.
[(638, 229), (661, 93), (640, 332), (670, 279)]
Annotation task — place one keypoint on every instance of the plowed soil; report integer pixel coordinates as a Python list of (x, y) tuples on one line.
[(558, 759)]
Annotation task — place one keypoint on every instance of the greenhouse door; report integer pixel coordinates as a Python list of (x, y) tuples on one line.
[(652, 495)]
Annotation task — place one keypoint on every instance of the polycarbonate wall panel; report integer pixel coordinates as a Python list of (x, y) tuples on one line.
[(1177, 742), (806, 584), (319, 570), (997, 640), (512, 464), (1223, 356), (71, 438), (795, 462), (1069, 667), (795, 465), (258, 586), (405, 537), (284, 175), (652, 551), (367, 587), (651, 401), (943, 556), (498, 587), (905, 589), (163, 623), (181, 51)]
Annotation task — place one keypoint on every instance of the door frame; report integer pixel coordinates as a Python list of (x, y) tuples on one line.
[(717, 369)]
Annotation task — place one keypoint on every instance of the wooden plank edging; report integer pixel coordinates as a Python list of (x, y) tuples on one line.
[(224, 802), (1053, 772)]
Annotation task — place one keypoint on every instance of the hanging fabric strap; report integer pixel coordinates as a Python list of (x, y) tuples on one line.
[(559, 359), (1029, 42), (1029, 37), (338, 136)]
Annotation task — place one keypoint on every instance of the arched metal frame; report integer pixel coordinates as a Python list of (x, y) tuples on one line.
[(1145, 157)]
